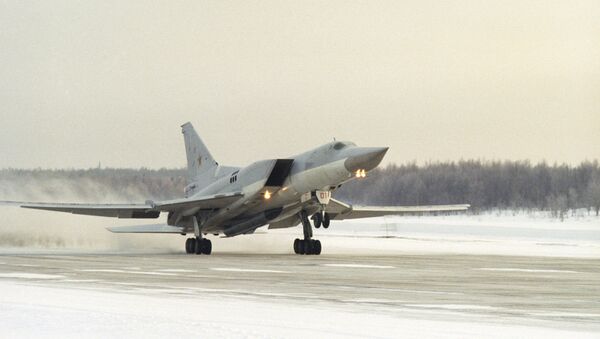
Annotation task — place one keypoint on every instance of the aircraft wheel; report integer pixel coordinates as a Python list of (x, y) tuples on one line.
[(198, 246), (297, 246), (189, 245), (301, 247), (326, 220), (317, 219), (317, 247), (308, 246), (206, 246)]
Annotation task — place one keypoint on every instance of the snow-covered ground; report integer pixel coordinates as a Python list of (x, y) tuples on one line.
[(31, 305), (495, 233), (34, 311)]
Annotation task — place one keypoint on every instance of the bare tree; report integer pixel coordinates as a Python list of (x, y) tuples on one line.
[(593, 195)]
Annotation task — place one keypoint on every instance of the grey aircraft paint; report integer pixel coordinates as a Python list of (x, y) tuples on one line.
[(276, 192)]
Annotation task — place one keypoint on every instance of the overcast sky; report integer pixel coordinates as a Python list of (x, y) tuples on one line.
[(112, 81)]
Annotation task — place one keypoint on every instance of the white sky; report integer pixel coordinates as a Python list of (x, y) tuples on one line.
[(112, 81)]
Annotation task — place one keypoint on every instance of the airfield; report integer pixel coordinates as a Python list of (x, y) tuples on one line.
[(362, 285)]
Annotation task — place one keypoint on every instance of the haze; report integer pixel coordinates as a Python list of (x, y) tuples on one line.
[(112, 81)]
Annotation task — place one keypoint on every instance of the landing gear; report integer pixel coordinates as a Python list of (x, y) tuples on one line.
[(198, 246), (308, 245), (317, 219), (320, 218), (203, 246), (190, 245)]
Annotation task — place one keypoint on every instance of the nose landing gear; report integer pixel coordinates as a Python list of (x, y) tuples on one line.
[(317, 219), (321, 218)]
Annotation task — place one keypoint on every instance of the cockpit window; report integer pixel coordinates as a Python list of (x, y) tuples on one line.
[(339, 145)]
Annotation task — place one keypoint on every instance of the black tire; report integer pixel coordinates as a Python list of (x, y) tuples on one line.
[(198, 246), (317, 219), (326, 220), (297, 246), (317, 247), (308, 247), (301, 247), (188, 246), (207, 246)]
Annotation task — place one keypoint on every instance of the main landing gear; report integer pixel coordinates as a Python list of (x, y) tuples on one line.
[(198, 246), (308, 245)]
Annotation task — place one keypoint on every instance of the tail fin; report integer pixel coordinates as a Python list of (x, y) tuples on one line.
[(200, 163)]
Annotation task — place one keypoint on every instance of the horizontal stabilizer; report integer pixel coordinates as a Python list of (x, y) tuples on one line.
[(146, 229)]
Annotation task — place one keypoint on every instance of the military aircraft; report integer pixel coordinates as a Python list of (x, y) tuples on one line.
[(276, 192)]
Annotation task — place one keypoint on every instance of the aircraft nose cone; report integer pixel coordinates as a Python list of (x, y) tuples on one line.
[(365, 159)]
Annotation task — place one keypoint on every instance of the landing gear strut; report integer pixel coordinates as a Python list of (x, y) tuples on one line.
[(307, 245)]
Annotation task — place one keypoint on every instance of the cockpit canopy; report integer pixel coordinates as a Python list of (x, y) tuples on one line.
[(338, 145)]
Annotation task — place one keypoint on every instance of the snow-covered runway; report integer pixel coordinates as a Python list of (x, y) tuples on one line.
[(50, 293), (493, 275)]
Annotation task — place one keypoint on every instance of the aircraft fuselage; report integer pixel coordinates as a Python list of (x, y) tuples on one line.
[(268, 199)]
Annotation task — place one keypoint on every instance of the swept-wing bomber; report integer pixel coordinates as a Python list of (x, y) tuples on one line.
[(276, 192)]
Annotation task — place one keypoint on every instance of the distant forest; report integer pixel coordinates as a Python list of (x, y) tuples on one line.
[(485, 185)]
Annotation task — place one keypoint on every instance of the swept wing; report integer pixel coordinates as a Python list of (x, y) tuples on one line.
[(340, 210), (138, 211)]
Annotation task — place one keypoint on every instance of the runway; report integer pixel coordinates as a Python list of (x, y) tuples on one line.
[(484, 276), (502, 288)]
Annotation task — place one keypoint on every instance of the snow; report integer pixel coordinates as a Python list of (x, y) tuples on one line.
[(35, 305), (129, 272), (53, 312), (229, 269), (493, 233), (453, 306), (30, 276), (500, 269), (357, 266)]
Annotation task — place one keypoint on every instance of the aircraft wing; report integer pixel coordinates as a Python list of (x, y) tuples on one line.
[(340, 210), (137, 211)]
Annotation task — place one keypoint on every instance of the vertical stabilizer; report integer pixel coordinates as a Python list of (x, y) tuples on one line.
[(200, 163)]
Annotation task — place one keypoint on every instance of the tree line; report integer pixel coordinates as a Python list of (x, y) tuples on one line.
[(483, 184)]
